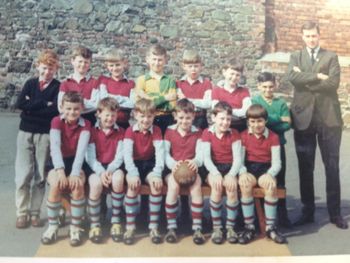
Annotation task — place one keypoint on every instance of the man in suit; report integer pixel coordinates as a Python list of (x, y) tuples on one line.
[(315, 74)]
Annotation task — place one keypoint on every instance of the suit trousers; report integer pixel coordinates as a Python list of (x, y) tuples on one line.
[(328, 139), (31, 159)]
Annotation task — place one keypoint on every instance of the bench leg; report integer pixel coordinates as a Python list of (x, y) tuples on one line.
[(261, 216)]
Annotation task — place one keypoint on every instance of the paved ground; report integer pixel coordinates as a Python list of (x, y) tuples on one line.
[(320, 238)]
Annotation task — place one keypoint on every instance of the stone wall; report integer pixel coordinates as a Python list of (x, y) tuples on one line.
[(218, 29), (285, 18)]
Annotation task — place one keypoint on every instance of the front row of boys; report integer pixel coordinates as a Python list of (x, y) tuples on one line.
[(142, 149)]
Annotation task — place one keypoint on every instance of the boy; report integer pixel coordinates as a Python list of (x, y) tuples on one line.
[(118, 86), (182, 144), (144, 162), (69, 138), (105, 157), (278, 121), (236, 96), (194, 87), (222, 158), (261, 152), (82, 82), (158, 87), (38, 102)]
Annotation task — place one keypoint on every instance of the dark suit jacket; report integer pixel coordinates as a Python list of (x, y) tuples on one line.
[(310, 93)]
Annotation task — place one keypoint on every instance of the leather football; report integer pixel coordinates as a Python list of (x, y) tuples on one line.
[(184, 175)]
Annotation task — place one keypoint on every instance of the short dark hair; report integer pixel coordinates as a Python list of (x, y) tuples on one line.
[(266, 76), (81, 51), (73, 97), (234, 64), (185, 105), (310, 25), (157, 50), (256, 111), (222, 106), (108, 104), (145, 106)]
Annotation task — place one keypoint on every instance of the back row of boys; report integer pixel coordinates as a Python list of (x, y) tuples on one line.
[(255, 155)]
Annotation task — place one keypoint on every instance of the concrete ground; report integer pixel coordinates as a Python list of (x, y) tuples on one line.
[(320, 238)]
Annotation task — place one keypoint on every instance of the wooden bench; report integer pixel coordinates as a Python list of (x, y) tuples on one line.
[(258, 193)]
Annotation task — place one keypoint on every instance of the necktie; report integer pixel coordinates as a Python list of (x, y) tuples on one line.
[(313, 60)]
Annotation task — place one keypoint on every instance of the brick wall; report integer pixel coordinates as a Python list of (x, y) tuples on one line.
[(285, 18)]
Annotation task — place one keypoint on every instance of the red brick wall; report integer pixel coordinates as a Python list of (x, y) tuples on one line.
[(287, 17)]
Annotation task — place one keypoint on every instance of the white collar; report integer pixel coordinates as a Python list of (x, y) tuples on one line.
[(135, 127), (81, 121), (185, 78), (265, 133), (97, 125), (174, 127)]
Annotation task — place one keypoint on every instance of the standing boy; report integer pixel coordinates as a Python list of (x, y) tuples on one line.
[(182, 144), (278, 121), (236, 96), (38, 102), (117, 85), (262, 163), (82, 82), (144, 162), (158, 87), (194, 87), (105, 157), (222, 158), (69, 138), (315, 74)]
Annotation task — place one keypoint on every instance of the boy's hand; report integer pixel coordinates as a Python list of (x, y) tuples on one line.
[(157, 183), (176, 167), (170, 96), (49, 103), (322, 76), (75, 182), (267, 181), (230, 183), (27, 97), (180, 95), (192, 165), (62, 179), (296, 69), (106, 178), (134, 183), (247, 180), (216, 181)]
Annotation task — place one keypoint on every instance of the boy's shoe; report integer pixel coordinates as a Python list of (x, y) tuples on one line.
[(198, 237), (155, 236), (22, 222), (50, 235), (217, 237), (75, 234), (95, 234), (129, 237), (231, 236), (171, 237), (116, 232), (273, 234), (247, 235), (35, 221), (62, 217)]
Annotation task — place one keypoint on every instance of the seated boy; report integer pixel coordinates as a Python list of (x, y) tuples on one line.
[(236, 96), (182, 144), (117, 85), (69, 138), (278, 121), (158, 87), (194, 87), (38, 102), (222, 158), (82, 82), (144, 162), (105, 157), (262, 162)]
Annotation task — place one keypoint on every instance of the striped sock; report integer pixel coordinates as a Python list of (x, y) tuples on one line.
[(53, 210), (94, 209), (232, 211), (248, 210), (270, 207), (196, 210), (171, 212), (117, 203), (155, 203), (131, 206), (215, 212), (77, 210)]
